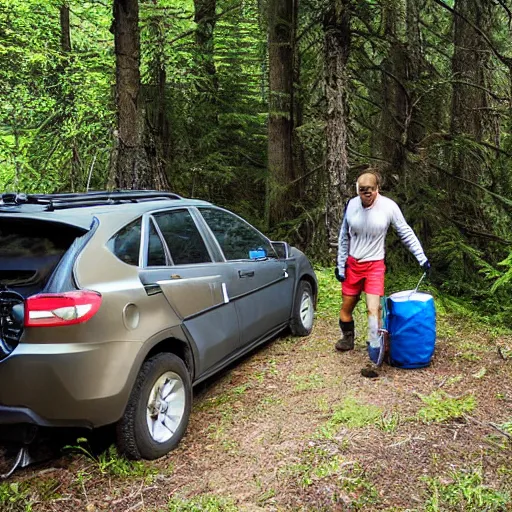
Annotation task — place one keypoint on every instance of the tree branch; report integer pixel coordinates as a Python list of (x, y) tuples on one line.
[(504, 200), (474, 232), (193, 31), (504, 59)]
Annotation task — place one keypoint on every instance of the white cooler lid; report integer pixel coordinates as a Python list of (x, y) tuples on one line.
[(410, 295)]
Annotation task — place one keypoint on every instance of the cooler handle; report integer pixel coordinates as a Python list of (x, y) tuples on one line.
[(418, 285)]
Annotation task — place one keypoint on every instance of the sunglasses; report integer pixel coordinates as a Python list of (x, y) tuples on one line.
[(363, 190)]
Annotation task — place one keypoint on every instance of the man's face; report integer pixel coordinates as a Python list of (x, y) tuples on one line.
[(368, 189)]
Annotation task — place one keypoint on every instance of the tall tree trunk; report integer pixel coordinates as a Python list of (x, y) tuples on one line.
[(65, 33), (157, 133), (299, 151), (416, 66), (204, 16), (336, 50), (68, 96), (131, 163), (469, 99), (395, 99), (281, 39)]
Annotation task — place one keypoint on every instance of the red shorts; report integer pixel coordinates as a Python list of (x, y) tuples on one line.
[(367, 276)]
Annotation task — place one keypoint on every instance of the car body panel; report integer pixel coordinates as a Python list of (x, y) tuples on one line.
[(262, 296), (199, 295)]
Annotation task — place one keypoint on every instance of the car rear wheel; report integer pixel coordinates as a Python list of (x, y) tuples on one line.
[(301, 323), (158, 410)]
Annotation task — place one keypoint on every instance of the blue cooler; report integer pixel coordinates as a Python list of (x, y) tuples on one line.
[(411, 323)]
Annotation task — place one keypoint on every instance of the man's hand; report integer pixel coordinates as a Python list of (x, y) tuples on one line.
[(340, 277), (426, 267)]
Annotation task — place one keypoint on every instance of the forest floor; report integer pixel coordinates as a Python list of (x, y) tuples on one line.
[(294, 426)]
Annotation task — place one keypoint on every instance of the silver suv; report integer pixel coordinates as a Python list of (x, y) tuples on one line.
[(113, 305)]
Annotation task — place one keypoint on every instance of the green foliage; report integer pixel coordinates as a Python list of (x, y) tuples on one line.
[(441, 407), (329, 297), (110, 462), (345, 478), (464, 490), (351, 413), (202, 503), (14, 498)]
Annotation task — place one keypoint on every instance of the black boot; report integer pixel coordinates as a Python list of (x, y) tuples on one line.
[(347, 340)]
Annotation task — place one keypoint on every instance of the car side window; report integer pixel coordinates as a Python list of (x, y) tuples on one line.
[(156, 252), (125, 244), (182, 237), (237, 239)]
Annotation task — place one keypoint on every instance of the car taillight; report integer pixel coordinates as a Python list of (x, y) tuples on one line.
[(56, 309)]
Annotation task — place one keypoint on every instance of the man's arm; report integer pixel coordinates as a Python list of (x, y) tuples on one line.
[(407, 235), (343, 243)]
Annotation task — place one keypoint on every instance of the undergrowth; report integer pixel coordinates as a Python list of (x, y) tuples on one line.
[(441, 407), (464, 490), (202, 503)]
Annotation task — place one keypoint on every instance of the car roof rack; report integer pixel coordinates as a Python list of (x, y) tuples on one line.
[(76, 200)]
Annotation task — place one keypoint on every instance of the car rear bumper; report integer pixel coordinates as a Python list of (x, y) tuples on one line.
[(67, 384)]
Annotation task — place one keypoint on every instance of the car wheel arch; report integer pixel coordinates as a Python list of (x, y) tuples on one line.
[(172, 341), (314, 287), (174, 346)]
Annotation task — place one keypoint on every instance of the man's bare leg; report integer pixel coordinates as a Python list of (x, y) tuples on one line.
[(373, 306)]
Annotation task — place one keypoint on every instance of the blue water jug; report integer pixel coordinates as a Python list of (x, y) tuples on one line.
[(411, 323)]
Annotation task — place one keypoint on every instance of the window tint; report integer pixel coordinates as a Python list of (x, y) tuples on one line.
[(125, 244), (182, 237), (237, 239), (156, 252)]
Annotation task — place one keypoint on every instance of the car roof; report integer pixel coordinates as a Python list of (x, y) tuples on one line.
[(80, 209)]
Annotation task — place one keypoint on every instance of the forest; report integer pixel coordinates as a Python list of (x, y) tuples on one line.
[(271, 108)]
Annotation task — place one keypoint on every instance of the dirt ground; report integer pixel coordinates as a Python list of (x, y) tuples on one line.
[(294, 426)]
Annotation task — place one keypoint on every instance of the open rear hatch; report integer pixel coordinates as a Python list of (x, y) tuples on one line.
[(30, 251)]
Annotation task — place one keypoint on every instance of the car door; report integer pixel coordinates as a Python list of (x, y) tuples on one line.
[(182, 264), (263, 288)]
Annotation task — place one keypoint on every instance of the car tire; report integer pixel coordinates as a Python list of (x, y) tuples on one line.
[(301, 323), (158, 409)]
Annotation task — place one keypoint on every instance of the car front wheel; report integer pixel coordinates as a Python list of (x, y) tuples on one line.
[(158, 410), (301, 323)]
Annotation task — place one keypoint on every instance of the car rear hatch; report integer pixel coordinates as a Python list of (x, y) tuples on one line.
[(30, 251)]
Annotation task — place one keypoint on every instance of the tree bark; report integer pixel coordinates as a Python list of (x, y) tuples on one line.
[(395, 99), (68, 96), (204, 16), (132, 169), (65, 33), (336, 50), (157, 137), (469, 62), (281, 38)]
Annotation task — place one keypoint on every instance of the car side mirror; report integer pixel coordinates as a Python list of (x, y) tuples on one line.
[(282, 249)]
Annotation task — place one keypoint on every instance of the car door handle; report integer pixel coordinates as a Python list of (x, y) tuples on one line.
[(242, 274)]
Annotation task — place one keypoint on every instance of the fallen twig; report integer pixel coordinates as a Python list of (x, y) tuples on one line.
[(501, 431), (489, 424)]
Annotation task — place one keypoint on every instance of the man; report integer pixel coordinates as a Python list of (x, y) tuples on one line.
[(360, 265)]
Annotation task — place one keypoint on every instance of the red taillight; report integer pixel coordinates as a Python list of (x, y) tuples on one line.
[(56, 309)]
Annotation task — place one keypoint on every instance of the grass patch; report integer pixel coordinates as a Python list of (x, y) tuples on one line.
[(464, 490), (307, 382), (110, 462), (441, 407), (347, 480), (351, 414), (202, 503), (14, 498)]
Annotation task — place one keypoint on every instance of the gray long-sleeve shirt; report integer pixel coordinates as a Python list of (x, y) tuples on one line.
[(363, 231)]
